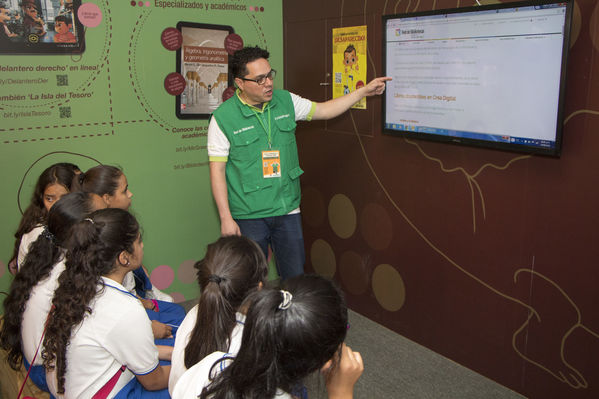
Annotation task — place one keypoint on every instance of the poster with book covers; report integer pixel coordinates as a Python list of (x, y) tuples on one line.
[(349, 61)]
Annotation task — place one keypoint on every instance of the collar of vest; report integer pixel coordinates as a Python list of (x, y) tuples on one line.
[(248, 110)]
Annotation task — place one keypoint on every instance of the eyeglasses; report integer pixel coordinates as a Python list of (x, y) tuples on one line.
[(262, 79)]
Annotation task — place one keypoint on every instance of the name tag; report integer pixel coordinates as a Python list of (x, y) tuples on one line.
[(271, 163)]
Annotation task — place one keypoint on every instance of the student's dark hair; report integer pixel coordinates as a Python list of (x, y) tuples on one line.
[(43, 255), (279, 346), (232, 268), (239, 60), (36, 213), (95, 245), (101, 179)]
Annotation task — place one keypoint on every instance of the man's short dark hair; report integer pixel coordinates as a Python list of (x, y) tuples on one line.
[(239, 60)]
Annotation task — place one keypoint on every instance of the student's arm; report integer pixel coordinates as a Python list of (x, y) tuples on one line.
[(339, 105), (218, 182), (165, 352), (157, 379), (341, 380), (161, 330)]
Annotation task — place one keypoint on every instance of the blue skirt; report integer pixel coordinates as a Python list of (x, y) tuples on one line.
[(134, 390)]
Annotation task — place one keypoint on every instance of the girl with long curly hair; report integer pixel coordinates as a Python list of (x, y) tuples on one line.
[(112, 185), (98, 338), (30, 296), (54, 182)]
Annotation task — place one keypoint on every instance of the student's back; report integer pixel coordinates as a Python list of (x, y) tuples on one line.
[(233, 267), (289, 334)]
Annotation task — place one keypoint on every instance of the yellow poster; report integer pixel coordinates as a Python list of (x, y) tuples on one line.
[(349, 61)]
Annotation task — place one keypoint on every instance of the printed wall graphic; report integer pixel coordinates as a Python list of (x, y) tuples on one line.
[(204, 63), (349, 61), (108, 104), (40, 27)]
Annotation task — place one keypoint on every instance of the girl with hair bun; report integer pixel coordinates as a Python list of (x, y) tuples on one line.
[(54, 182), (110, 183), (233, 267), (289, 334), (98, 338), (27, 305)]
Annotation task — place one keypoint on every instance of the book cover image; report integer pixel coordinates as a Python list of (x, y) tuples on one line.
[(349, 61), (204, 63)]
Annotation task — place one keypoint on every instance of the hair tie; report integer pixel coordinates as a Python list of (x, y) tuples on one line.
[(48, 235), (215, 279), (89, 220), (287, 297)]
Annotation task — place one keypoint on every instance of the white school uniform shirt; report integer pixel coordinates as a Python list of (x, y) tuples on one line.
[(192, 382), (117, 332), (36, 312), (26, 240), (182, 339)]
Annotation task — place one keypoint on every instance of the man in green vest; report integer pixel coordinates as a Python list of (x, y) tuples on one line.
[(254, 166)]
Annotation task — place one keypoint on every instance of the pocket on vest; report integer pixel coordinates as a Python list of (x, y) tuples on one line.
[(245, 146)]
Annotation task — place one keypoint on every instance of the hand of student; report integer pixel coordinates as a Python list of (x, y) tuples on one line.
[(376, 86), (148, 304), (229, 228), (161, 330), (341, 380)]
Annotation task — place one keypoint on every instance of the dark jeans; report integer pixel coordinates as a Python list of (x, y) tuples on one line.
[(285, 237)]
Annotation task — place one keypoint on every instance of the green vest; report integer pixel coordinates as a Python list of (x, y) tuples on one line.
[(250, 194)]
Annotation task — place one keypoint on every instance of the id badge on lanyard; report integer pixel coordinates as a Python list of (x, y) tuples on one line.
[(271, 163), (271, 159)]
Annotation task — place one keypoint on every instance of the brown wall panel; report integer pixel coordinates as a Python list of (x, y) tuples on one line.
[(489, 258)]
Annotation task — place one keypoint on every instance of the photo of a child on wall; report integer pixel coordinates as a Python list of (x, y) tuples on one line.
[(40, 27)]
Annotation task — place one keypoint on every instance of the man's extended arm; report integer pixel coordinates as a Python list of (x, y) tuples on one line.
[(218, 182), (339, 105)]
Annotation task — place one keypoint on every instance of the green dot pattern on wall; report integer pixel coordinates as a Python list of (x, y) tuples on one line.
[(342, 216), (186, 273), (376, 226), (323, 258), (354, 273), (388, 287), (162, 276)]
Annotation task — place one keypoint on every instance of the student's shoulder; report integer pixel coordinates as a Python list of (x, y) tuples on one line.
[(192, 382)]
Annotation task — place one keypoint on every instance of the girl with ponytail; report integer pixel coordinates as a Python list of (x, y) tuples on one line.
[(110, 183), (289, 334), (98, 338), (233, 267), (27, 305)]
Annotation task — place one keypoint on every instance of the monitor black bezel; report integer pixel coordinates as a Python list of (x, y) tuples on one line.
[(556, 150)]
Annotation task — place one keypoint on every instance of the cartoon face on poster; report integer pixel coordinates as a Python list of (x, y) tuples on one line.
[(40, 27), (349, 61)]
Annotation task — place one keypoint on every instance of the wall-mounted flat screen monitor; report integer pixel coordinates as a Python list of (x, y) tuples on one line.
[(489, 76)]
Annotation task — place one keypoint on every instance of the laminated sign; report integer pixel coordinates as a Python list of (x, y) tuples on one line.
[(349, 61)]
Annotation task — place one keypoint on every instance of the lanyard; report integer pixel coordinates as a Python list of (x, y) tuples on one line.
[(262, 123)]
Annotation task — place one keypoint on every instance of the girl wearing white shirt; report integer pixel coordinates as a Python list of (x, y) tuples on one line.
[(98, 339), (112, 185), (27, 305), (233, 267), (54, 182), (288, 334)]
